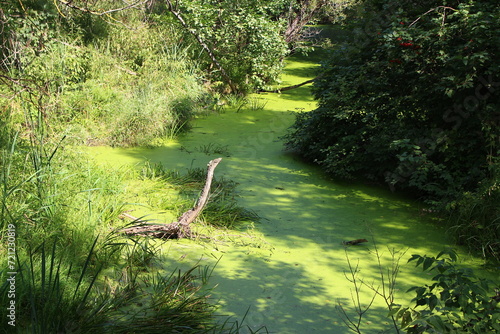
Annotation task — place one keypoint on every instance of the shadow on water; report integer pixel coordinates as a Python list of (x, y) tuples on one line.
[(293, 287)]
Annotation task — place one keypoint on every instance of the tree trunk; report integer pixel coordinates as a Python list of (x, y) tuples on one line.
[(180, 228), (299, 17)]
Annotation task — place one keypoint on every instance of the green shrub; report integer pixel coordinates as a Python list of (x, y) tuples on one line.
[(457, 301), (244, 38), (386, 106)]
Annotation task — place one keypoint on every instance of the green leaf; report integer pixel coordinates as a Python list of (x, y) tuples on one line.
[(406, 319), (421, 301), (428, 263), (437, 323), (433, 301), (393, 310)]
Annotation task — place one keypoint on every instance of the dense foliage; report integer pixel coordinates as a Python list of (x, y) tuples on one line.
[(95, 82), (456, 302), (411, 99), (242, 36)]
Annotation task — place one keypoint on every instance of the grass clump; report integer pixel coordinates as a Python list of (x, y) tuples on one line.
[(124, 104), (57, 296), (212, 148)]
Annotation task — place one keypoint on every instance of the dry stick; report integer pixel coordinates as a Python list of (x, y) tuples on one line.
[(432, 10), (180, 228)]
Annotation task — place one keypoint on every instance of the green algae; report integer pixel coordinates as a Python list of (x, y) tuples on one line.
[(291, 277)]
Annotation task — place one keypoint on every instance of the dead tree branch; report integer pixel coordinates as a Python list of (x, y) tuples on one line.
[(180, 228), (299, 16)]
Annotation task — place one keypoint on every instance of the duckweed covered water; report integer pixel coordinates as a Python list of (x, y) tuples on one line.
[(291, 278)]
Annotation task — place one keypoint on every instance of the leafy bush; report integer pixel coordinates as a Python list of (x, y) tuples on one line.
[(242, 35), (457, 301)]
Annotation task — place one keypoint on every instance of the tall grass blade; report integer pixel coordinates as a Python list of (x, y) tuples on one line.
[(84, 269)]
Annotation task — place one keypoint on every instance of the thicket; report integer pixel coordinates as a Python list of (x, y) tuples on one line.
[(241, 36), (411, 99), (126, 83)]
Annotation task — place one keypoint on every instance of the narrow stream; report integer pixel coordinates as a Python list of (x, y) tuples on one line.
[(293, 282)]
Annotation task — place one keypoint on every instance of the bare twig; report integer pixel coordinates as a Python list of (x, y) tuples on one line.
[(386, 290), (388, 283), (352, 276), (432, 10), (15, 81)]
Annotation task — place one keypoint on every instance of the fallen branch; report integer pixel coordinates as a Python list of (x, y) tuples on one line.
[(180, 228), (279, 90)]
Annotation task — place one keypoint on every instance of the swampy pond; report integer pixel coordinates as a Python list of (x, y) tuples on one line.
[(290, 275)]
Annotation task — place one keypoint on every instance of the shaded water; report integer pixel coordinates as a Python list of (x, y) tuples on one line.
[(292, 283)]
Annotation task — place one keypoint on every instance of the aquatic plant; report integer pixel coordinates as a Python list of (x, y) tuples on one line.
[(213, 148)]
